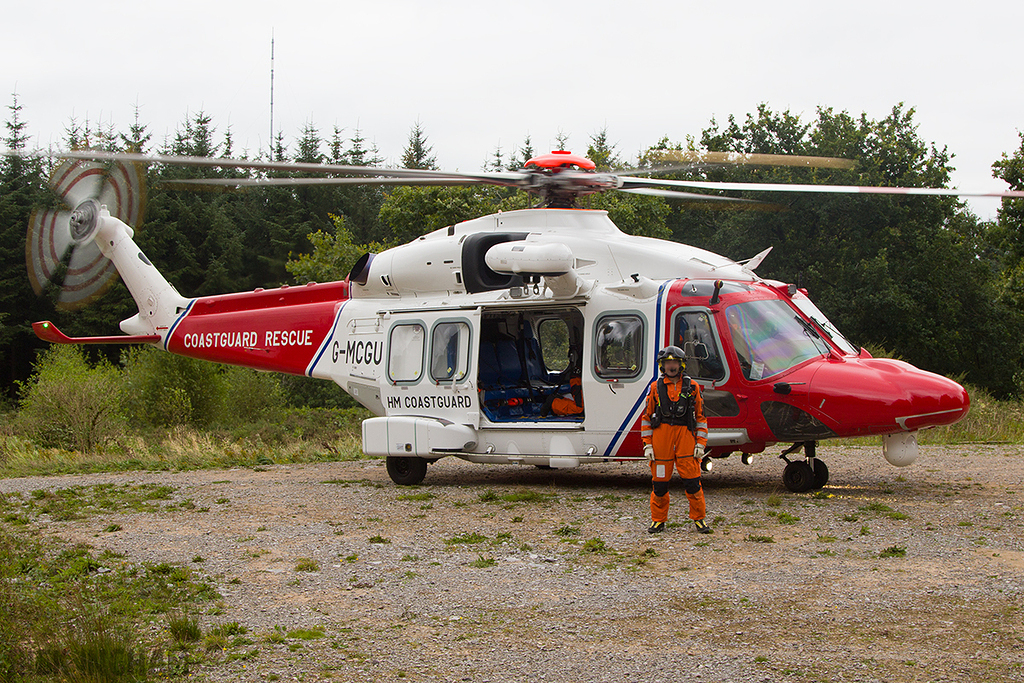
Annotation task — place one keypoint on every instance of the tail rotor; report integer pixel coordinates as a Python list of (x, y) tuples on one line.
[(60, 249)]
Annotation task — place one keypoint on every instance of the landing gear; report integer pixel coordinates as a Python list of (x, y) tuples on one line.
[(406, 471), (804, 475)]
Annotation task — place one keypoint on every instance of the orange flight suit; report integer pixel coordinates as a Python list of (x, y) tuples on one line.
[(569, 406), (674, 443)]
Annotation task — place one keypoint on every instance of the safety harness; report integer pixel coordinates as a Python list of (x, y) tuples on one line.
[(679, 412)]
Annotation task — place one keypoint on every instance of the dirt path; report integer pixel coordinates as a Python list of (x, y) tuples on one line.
[(518, 574)]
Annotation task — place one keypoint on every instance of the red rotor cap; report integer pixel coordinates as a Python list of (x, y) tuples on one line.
[(561, 159)]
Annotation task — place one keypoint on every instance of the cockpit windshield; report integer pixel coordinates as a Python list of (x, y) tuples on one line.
[(808, 308), (769, 337)]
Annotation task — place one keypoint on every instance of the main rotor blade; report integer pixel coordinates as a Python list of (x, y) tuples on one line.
[(694, 157), (214, 162), (676, 194), (629, 182), (293, 182), (709, 201)]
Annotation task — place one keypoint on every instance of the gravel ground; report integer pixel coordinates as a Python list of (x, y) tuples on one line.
[(508, 573)]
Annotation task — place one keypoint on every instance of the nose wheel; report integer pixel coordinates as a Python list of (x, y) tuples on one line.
[(804, 475)]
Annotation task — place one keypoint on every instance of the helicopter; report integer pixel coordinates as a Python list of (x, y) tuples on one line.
[(523, 337)]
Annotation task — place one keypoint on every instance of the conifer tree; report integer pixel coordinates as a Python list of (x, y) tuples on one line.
[(417, 152)]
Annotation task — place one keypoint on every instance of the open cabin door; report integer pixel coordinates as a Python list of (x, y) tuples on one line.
[(530, 366)]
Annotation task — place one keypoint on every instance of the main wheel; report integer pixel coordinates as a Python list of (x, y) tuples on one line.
[(406, 471), (820, 473), (798, 476)]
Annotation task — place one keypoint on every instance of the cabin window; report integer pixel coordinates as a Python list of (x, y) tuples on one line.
[(449, 352), (695, 335), (769, 337), (405, 355), (619, 347)]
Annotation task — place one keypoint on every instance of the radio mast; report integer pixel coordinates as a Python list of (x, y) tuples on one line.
[(271, 94)]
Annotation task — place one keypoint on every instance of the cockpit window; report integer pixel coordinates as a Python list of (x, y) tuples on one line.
[(769, 337), (695, 335)]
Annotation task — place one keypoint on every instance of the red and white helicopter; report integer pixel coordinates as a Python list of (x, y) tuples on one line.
[(459, 341)]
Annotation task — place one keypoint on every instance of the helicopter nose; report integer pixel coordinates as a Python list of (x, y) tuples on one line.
[(882, 396)]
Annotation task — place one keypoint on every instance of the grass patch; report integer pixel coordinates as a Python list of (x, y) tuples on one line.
[(470, 538), (296, 435), (482, 562), (894, 551), (72, 614), (756, 538), (307, 564)]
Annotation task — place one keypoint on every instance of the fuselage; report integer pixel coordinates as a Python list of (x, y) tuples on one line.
[(479, 324)]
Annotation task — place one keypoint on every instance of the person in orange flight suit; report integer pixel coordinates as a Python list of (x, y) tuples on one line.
[(568, 405), (674, 432)]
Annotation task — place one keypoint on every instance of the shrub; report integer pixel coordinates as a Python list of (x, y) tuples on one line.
[(68, 404), (165, 390)]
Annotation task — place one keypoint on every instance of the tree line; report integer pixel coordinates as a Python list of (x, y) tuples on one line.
[(922, 278)]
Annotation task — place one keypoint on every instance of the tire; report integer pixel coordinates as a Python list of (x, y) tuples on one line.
[(820, 473), (406, 471), (798, 476)]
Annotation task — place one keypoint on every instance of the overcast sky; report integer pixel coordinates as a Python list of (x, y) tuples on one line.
[(480, 74)]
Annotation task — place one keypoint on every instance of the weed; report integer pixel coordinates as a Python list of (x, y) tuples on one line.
[(184, 629), (567, 531), (466, 539), (313, 633), (306, 564), (594, 545), (379, 540), (231, 628), (425, 495), (894, 551), (875, 507), (482, 562), (754, 538)]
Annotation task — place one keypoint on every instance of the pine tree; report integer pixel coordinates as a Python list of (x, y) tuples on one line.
[(417, 152), (522, 155), (22, 187)]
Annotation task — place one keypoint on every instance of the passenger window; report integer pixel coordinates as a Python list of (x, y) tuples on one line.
[(449, 352), (405, 357), (619, 347), (695, 335)]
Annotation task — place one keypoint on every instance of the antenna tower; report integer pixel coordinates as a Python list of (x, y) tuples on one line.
[(271, 94)]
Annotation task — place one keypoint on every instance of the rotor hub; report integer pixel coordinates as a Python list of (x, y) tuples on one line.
[(84, 221)]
